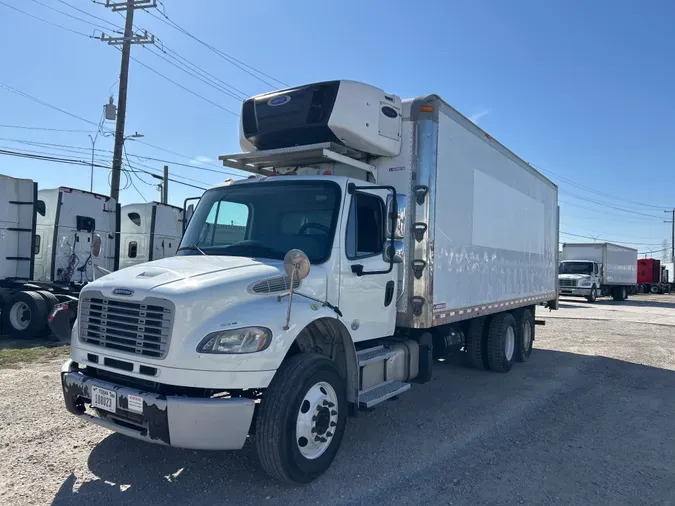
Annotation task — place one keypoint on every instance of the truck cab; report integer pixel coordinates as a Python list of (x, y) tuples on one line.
[(580, 278)]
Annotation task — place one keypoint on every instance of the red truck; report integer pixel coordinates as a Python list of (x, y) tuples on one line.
[(650, 276)]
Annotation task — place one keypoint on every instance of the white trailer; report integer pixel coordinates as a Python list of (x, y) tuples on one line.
[(592, 270), (372, 236), (149, 231), (27, 290)]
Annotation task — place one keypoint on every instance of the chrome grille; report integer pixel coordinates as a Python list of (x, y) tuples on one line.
[(141, 328), (568, 282), (276, 284)]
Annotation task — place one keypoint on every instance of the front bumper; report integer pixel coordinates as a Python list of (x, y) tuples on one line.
[(183, 422), (575, 291)]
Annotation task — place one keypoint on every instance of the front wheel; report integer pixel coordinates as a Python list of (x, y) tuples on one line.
[(302, 418), (593, 296)]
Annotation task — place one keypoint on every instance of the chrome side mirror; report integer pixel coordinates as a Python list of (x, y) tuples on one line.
[(401, 204), (296, 265), (393, 252)]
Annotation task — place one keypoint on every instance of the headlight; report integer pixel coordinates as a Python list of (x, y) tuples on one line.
[(585, 282), (244, 340)]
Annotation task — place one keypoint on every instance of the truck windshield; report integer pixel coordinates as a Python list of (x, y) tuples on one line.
[(575, 268), (265, 220)]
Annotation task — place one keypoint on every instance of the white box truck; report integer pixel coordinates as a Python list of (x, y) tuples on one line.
[(149, 231), (372, 235), (593, 270), (44, 232)]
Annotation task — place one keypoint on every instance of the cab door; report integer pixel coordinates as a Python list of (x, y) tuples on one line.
[(367, 279)]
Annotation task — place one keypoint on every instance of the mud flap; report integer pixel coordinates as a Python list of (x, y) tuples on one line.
[(61, 320)]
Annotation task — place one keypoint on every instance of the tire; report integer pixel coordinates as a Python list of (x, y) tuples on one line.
[(501, 341), (619, 293), (25, 315), (654, 289), (276, 439), (49, 298), (524, 335), (593, 296), (476, 343)]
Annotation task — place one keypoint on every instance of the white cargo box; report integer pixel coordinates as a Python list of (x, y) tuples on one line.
[(619, 262), (17, 226), (487, 222)]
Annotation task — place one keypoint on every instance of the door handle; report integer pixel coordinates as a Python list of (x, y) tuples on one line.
[(388, 293)]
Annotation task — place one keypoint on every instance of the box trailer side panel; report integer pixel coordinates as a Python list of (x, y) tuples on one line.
[(621, 265), (592, 252), (495, 239), (17, 227)]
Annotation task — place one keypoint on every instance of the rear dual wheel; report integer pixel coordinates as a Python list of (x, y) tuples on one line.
[(496, 342)]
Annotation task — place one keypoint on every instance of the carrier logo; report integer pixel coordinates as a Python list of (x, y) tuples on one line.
[(277, 101), (123, 291)]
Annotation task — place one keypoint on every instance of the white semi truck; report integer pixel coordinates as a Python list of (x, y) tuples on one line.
[(150, 231), (372, 235), (51, 241), (592, 270)]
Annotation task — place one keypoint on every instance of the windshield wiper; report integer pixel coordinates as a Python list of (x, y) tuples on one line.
[(191, 247)]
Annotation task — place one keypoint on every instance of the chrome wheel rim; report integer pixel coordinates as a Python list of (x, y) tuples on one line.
[(509, 343), (20, 315), (317, 420)]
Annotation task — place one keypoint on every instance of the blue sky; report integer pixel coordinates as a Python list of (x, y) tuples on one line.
[(582, 90)]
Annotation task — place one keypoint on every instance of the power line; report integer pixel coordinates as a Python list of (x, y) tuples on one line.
[(72, 161), (46, 21), (86, 150), (618, 208), (597, 192), (195, 75), (22, 127), (89, 14), (609, 240), (73, 17), (41, 102), (184, 88), (229, 58)]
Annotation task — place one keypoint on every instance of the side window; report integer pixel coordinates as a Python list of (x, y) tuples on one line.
[(133, 249), (135, 219), (225, 224), (365, 232), (38, 241)]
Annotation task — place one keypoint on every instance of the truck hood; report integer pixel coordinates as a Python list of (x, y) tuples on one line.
[(576, 277), (194, 269)]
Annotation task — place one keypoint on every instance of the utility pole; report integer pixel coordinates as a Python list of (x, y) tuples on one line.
[(126, 41), (672, 236), (165, 186)]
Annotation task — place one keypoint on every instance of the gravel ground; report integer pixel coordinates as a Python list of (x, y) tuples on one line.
[(589, 420)]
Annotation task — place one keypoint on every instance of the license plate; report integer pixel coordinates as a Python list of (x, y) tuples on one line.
[(103, 398)]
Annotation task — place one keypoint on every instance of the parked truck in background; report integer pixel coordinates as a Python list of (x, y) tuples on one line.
[(593, 270), (150, 231), (372, 236), (51, 241), (652, 277)]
